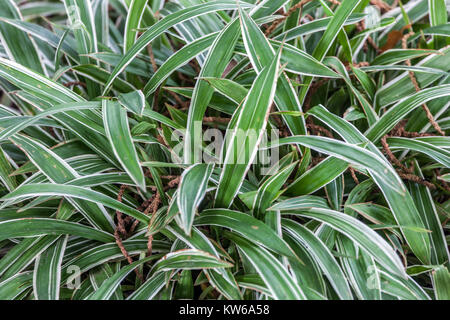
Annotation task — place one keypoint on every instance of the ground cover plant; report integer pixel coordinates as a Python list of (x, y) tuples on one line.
[(224, 149)]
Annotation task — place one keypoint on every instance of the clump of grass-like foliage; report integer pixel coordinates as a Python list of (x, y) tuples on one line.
[(112, 187)]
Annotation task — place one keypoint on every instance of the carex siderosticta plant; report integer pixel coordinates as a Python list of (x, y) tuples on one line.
[(224, 149)]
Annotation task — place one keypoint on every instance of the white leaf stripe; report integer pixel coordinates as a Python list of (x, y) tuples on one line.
[(47, 272), (273, 273)]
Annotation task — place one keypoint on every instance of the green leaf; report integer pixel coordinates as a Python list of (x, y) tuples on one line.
[(358, 232), (222, 279), (14, 286), (189, 259), (326, 41), (28, 121), (321, 255), (17, 44), (427, 208), (362, 271), (110, 285), (440, 155), (133, 101), (298, 203), (49, 189), (401, 87), (394, 56), (445, 177), (441, 283), (44, 34), (317, 177), (247, 226), (397, 202), (269, 190), (387, 179), (161, 26), (32, 227), (177, 60), (261, 55), (119, 135), (118, 132), (390, 118), (228, 88), (149, 288), (22, 254), (81, 123), (47, 272), (81, 19), (134, 17), (96, 256), (59, 171), (215, 64), (251, 120), (275, 276)]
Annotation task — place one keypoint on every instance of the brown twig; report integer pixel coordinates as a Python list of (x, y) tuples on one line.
[(161, 140), (121, 229), (195, 65), (444, 223), (348, 66), (216, 119), (417, 87), (335, 2), (361, 26), (183, 78), (75, 83), (120, 221), (169, 177), (416, 179), (381, 5), (284, 131), (155, 68), (373, 44), (404, 172), (312, 90), (174, 182), (152, 58), (399, 131), (320, 129), (361, 64), (353, 174), (152, 208), (316, 160), (277, 22), (122, 247), (148, 205), (391, 156), (183, 104), (310, 17)]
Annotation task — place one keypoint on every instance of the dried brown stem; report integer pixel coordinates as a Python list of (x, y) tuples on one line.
[(277, 22), (312, 90), (320, 129), (353, 173), (417, 87), (391, 156), (216, 119), (152, 58), (75, 83), (121, 229), (416, 179), (381, 5), (120, 221), (152, 208)]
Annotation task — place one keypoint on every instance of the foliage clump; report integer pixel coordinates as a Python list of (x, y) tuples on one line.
[(224, 149)]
